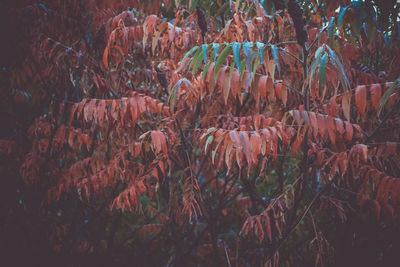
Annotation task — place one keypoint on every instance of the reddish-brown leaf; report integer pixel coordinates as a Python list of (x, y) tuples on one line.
[(259, 229), (331, 128), (361, 98), (376, 93), (255, 142), (270, 89), (346, 105), (245, 142), (228, 155), (159, 142), (262, 86), (349, 131), (268, 225), (297, 142)]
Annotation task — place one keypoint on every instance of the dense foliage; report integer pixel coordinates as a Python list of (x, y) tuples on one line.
[(200, 133)]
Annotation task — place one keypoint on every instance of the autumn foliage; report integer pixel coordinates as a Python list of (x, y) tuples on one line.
[(201, 133)]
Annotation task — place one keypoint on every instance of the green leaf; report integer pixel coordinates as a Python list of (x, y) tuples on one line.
[(236, 54), (276, 57), (359, 15), (209, 140), (315, 63), (248, 52), (255, 63), (195, 57), (172, 99), (213, 153), (189, 53), (387, 94), (318, 51), (199, 60), (242, 70), (341, 16), (205, 48), (336, 62), (260, 50), (192, 5), (207, 66), (205, 70), (222, 58), (222, 10), (230, 74), (215, 51), (209, 130), (331, 27), (322, 70)]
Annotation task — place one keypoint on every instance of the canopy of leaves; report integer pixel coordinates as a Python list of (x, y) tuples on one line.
[(200, 133)]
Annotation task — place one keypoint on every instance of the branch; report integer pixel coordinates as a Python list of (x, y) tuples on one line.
[(301, 218), (385, 118), (316, 38)]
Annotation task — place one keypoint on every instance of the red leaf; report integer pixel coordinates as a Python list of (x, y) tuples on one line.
[(159, 142)]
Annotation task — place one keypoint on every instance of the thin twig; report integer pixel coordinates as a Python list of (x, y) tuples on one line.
[(385, 118), (301, 218)]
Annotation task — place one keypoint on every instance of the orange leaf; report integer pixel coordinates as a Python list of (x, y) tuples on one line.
[(105, 57), (346, 105), (133, 109), (376, 93), (159, 142), (255, 142), (245, 142), (262, 86), (278, 90), (270, 89), (361, 98), (225, 84), (228, 154), (331, 128), (284, 93), (296, 144)]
